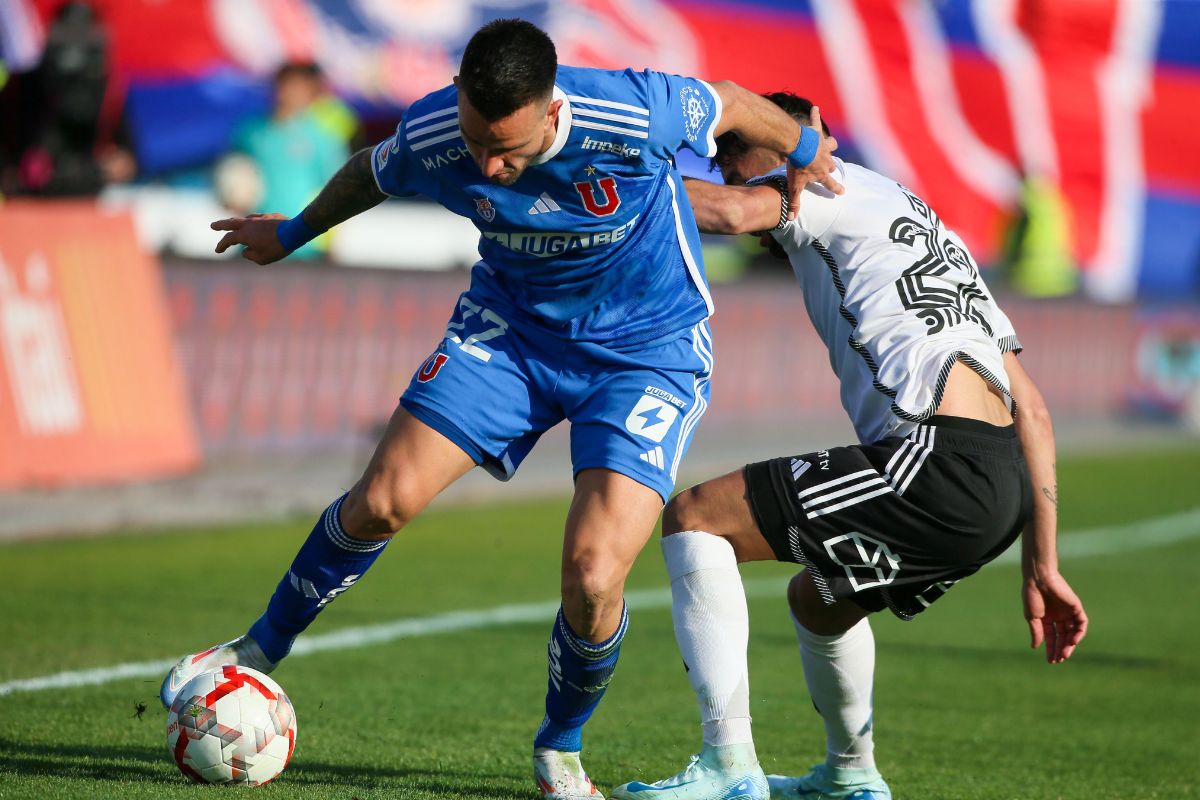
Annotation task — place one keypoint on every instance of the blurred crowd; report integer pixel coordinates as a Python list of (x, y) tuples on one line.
[(71, 137), (1054, 138)]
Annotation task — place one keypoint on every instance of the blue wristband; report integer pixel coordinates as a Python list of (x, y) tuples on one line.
[(295, 233), (806, 148)]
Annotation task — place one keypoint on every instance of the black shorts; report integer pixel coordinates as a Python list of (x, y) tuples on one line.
[(896, 523)]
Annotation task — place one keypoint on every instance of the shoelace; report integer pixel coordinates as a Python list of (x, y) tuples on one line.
[(682, 777)]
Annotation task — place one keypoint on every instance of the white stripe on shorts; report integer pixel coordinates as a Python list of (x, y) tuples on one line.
[(851, 502), (820, 487), (813, 502), (917, 467)]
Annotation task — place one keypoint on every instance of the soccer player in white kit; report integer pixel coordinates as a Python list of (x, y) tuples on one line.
[(956, 459)]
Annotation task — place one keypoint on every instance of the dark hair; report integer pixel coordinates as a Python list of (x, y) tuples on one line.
[(729, 145), (508, 64), (298, 69)]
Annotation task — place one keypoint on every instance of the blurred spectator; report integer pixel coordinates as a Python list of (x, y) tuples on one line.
[(73, 142), (283, 160), (1037, 249)]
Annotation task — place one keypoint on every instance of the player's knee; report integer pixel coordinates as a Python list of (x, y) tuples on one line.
[(593, 581), (591, 587), (686, 511), (811, 610), (806, 608), (380, 508)]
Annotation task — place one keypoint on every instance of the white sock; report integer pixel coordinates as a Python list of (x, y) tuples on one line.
[(712, 627), (840, 671)]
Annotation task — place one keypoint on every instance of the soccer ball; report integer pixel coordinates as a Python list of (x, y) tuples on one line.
[(239, 183), (232, 725)]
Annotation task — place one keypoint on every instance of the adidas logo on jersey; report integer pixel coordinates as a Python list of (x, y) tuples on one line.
[(654, 457), (544, 205)]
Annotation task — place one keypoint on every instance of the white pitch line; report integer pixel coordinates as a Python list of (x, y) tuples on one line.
[(1140, 535)]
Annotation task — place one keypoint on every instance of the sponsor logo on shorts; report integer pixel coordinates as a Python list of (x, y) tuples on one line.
[(654, 457), (799, 467), (651, 417), (665, 395), (935, 591), (868, 562)]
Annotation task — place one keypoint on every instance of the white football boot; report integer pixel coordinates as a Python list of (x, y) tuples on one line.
[(242, 651), (560, 776), (705, 778), (825, 783)]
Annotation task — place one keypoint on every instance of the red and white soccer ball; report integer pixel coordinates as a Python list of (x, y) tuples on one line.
[(232, 725)]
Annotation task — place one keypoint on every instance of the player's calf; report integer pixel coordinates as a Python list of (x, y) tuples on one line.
[(578, 675), (329, 563)]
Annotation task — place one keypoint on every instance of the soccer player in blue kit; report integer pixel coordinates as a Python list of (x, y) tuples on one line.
[(589, 304)]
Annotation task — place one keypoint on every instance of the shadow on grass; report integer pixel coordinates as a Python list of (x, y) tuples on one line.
[(1016, 653), (131, 762), (1083, 659), (87, 763)]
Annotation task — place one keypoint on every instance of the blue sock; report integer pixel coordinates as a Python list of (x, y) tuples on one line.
[(329, 562), (579, 673)]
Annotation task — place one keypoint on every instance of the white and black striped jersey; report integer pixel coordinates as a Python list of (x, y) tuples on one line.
[(896, 298)]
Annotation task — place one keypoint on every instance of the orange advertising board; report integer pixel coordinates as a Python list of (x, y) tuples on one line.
[(90, 390)]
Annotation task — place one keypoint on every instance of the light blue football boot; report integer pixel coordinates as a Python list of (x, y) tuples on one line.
[(707, 777), (827, 783)]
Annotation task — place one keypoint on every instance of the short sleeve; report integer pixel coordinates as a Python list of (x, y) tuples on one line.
[(1003, 332), (819, 208), (391, 165), (684, 112)]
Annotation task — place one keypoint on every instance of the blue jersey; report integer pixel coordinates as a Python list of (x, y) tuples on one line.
[(596, 241)]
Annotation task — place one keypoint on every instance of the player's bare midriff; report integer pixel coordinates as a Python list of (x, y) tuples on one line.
[(968, 395)]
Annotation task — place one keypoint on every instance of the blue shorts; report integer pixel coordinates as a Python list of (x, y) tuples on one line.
[(493, 386)]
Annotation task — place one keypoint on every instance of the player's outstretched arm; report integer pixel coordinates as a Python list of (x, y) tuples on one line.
[(733, 209), (270, 237), (759, 122), (1052, 609)]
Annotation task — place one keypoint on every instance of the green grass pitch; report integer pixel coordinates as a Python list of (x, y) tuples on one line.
[(964, 709)]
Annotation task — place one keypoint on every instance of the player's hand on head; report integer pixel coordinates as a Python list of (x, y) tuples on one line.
[(826, 166), (1055, 615), (256, 233), (820, 170)]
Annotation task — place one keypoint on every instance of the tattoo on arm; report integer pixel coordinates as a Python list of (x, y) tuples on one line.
[(349, 192), (1052, 493)]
